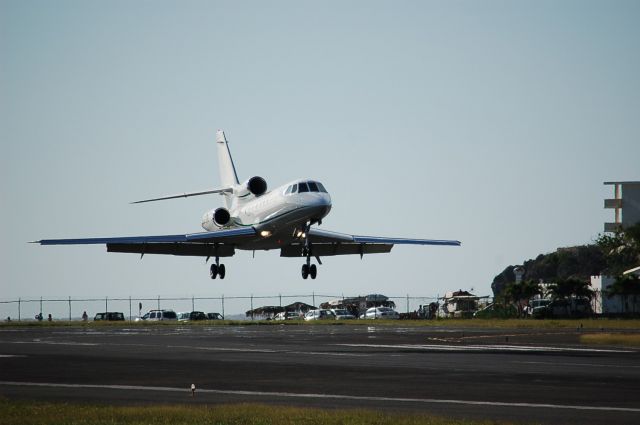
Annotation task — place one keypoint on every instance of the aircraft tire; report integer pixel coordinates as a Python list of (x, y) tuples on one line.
[(222, 271), (313, 271), (213, 271), (305, 271)]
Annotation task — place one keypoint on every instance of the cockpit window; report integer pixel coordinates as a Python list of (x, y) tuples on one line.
[(294, 189), (321, 187), (313, 187), (288, 191), (302, 187)]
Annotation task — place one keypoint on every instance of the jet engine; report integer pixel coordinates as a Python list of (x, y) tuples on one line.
[(216, 219), (221, 217), (257, 186)]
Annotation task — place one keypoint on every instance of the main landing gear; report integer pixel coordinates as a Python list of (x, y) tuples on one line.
[(309, 270), (217, 269)]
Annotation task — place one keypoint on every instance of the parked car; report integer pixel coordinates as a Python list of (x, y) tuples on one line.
[(214, 316), (155, 315), (287, 315), (538, 306), (109, 316), (380, 313), (577, 307), (342, 314), (191, 315), (320, 314)]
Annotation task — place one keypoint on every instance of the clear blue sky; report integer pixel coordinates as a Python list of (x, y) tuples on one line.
[(491, 122)]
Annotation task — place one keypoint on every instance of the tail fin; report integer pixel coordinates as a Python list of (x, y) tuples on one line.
[(228, 176)]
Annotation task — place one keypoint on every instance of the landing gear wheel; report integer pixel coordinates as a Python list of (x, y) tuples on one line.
[(213, 271), (305, 271), (313, 271), (221, 271)]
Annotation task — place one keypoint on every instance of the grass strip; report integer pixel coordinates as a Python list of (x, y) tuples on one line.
[(600, 324), (630, 340), (41, 413)]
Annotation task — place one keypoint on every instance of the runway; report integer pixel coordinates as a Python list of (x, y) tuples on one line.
[(524, 376)]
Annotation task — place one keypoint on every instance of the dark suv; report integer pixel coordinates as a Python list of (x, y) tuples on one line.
[(110, 316)]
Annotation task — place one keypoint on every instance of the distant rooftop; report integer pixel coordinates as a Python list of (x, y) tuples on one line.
[(624, 182)]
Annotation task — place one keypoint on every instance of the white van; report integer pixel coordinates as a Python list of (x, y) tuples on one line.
[(320, 314), (155, 315)]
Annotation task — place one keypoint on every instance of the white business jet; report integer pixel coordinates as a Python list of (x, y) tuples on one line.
[(256, 219)]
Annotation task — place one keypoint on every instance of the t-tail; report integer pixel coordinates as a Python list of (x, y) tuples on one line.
[(235, 193), (241, 193)]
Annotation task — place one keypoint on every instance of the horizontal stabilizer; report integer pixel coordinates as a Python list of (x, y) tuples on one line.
[(187, 194)]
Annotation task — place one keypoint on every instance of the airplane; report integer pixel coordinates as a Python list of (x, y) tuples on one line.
[(255, 218)]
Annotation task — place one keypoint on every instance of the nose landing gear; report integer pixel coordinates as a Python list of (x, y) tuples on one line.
[(308, 269)]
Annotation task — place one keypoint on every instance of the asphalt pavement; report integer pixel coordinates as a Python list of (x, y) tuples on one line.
[(525, 376)]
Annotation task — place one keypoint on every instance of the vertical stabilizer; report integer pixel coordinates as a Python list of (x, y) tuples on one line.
[(228, 176)]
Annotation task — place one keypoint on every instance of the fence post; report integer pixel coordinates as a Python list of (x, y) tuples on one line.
[(41, 306), (193, 304), (69, 307), (251, 306), (313, 295), (106, 304), (222, 306), (130, 308), (158, 302), (19, 309), (407, 303), (280, 295)]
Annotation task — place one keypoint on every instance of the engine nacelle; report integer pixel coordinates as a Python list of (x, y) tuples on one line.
[(257, 186), (221, 217), (216, 219)]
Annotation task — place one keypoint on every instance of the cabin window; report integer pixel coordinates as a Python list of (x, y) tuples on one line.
[(313, 187), (302, 187), (321, 187)]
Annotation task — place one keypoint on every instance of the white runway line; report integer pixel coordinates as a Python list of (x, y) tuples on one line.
[(518, 348), (322, 396)]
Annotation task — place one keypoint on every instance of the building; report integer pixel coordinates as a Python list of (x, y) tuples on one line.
[(626, 203), (605, 303)]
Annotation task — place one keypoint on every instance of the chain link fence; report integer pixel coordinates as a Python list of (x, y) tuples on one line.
[(72, 308)]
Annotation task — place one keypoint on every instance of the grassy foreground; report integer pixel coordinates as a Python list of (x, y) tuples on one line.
[(38, 413), (630, 340)]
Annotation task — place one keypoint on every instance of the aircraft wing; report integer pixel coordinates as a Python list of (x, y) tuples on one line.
[(219, 243), (327, 243)]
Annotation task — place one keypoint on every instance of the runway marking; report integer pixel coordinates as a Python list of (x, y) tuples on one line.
[(519, 348), (324, 396), (240, 350), (580, 364), (88, 344)]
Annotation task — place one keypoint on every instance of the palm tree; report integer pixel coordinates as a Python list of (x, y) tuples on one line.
[(571, 289), (621, 250), (520, 293)]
